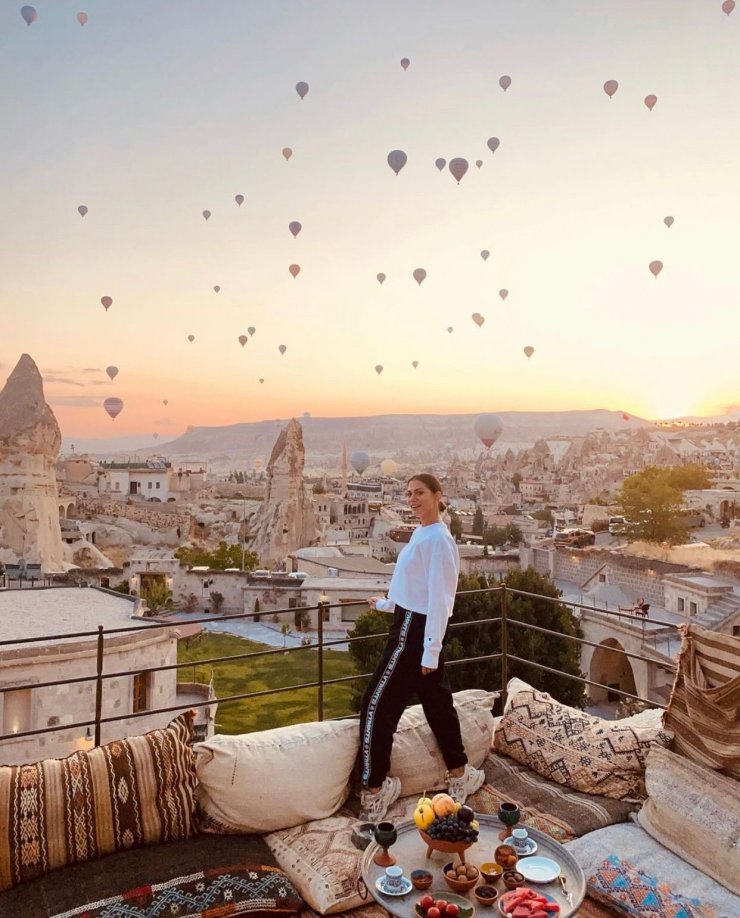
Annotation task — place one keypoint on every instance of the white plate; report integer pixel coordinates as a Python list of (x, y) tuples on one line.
[(531, 847), (539, 869), (406, 887)]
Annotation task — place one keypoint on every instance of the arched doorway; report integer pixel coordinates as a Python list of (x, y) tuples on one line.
[(610, 668)]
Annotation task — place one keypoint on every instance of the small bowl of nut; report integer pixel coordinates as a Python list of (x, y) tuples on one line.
[(461, 878)]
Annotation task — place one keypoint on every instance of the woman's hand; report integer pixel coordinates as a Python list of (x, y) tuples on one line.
[(373, 600), (425, 670)]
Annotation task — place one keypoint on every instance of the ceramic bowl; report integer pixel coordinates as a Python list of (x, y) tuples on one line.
[(461, 885), (506, 856), (491, 872), (422, 879), (486, 895), (513, 879)]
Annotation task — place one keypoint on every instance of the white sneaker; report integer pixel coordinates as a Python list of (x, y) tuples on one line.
[(375, 806), (460, 788)]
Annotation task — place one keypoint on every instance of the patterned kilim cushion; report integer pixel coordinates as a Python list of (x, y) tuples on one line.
[(571, 747), (639, 895), (130, 792), (213, 893)]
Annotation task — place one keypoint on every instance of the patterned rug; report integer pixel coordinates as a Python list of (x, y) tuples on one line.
[(213, 893)]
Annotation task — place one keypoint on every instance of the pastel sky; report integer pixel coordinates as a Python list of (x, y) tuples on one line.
[(155, 111)]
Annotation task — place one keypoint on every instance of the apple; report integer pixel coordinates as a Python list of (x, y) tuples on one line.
[(433, 912), (426, 902), (424, 815), (441, 904), (452, 910)]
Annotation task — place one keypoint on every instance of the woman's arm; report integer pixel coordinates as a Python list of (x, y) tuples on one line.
[(441, 586)]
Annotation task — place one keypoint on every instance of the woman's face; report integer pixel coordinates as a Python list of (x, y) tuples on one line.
[(421, 499)]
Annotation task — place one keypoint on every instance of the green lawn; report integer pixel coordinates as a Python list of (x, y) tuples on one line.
[(262, 673)]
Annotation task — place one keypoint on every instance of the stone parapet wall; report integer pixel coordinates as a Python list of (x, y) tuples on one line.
[(158, 516)]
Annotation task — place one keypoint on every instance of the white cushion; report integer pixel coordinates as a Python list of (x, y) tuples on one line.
[(275, 779)]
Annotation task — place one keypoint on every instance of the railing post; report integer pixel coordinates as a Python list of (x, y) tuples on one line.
[(323, 604), (99, 686), (504, 644)]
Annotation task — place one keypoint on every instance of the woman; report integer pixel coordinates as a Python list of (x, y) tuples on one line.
[(421, 594)]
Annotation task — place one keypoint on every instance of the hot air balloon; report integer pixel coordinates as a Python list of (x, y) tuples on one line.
[(217, 289), (261, 380), (419, 275), (440, 163), (655, 267), (82, 210), (625, 417), (282, 348), (191, 338), (378, 368), (29, 14), (287, 153), (668, 221), (503, 294), (302, 89), (458, 168), (206, 215), (251, 330), (155, 435), (114, 406), (112, 372), (239, 198), (505, 82), (610, 87), (397, 160), (479, 163), (388, 467), (650, 101), (493, 144), (380, 277), (478, 319), (359, 461), (295, 270), (107, 302), (295, 228), (728, 6), (405, 63), (82, 18), (165, 401), (243, 340), (488, 429), (450, 329), (529, 350), (414, 363), (484, 254)]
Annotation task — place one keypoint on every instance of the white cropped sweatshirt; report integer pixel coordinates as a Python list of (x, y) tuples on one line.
[(425, 581)]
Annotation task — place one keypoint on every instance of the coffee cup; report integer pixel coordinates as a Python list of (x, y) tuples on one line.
[(393, 878), (521, 839)]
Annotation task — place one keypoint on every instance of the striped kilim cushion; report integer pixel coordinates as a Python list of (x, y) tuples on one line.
[(704, 710), (131, 792)]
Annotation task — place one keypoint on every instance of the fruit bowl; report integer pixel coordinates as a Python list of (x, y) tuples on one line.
[(460, 885), (465, 909), (447, 847)]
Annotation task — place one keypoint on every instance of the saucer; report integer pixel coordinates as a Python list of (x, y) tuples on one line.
[(531, 846), (405, 889), (539, 869)]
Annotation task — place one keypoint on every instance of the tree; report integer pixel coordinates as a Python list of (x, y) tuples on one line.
[(366, 654), (516, 480), (123, 587), (226, 555), (495, 535), (191, 602), (688, 477), (156, 595), (217, 600), (652, 506), (285, 630), (456, 529), (256, 610), (513, 534), (479, 524), (545, 515), (318, 488)]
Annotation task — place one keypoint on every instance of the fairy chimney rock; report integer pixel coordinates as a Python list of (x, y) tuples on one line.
[(286, 520), (30, 440)]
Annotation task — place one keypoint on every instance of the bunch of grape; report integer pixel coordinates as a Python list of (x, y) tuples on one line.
[(450, 828)]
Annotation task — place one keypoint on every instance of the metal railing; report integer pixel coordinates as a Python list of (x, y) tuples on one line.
[(504, 619)]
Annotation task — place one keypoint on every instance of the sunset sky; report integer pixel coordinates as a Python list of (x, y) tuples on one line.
[(155, 111)]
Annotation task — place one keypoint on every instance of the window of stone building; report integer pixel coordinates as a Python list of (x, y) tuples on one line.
[(692, 608), (325, 615), (602, 578), (157, 485), (681, 604), (141, 692), (16, 711), (736, 630)]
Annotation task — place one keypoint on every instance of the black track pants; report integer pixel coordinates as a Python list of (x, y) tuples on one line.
[(396, 678)]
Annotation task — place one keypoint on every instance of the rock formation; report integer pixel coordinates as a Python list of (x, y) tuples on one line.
[(29, 443), (286, 519)]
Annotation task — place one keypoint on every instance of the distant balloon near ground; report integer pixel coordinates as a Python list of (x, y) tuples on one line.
[(114, 406), (251, 330), (295, 270), (414, 363), (656, 267), (419, 275), (610, 87), (239, 198), (302, 89), (650, 101), (458, 168), (728, 6), (243, 340), (380, 277), (484, 254), (450, 329), (379, 368), (505, 82), (478, 319), (112, 372), (206, 215), (359, 461), (405, 63), (668, 221), (287, 153), (282, 348), (479, 163), (191, 338), (295, 228), (493, 144), (397, 160), (165, 402), (488, 428), (82, 210), (503, 294), (156, 436), (216, 288), (529, 350), (107, 302), (261, 380), (29, 14), (388, 467), (82, 18), (440, 163)]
